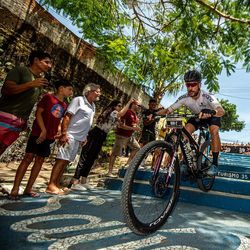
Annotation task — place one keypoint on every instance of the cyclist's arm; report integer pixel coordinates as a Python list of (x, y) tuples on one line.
[(216, 106), (207, 113), (219, 112), (180, 102)]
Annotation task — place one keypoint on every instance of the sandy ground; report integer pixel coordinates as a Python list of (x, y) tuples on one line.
[(96, 176)]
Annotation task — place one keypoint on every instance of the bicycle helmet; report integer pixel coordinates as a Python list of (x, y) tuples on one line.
[(192, 76)]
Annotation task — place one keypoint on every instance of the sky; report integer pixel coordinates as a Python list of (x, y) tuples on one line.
[(235, 89)]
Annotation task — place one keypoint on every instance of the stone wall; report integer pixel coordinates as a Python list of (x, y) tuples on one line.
[(25, 25)]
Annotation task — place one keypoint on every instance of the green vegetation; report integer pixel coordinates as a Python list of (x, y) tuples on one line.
[(154, 42), (230, 120)]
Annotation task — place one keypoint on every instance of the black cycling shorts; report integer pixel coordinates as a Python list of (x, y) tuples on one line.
[(42, 149), (205, 122)]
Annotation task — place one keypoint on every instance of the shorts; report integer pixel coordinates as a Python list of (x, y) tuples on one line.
[(205, 122), (10, 128), (147, 136), (68, 152), (121, 142), (42, 149)]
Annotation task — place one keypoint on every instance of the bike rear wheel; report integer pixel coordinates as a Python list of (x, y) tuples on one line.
[(149, 194), (205, 182)]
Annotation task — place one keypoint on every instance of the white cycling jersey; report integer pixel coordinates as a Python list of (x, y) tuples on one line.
[(205, 101)]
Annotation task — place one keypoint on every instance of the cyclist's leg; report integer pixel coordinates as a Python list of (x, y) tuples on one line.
[(215, 143), (190, 128), (214, 126)]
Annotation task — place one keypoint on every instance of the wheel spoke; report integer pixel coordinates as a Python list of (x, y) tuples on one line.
[(205, 181)]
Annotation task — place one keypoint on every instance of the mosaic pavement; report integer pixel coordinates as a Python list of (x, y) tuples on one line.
[(92, 220)]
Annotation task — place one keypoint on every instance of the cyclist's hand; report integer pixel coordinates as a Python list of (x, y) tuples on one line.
[(206, 113)]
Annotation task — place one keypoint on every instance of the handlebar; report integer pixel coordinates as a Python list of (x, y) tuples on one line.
[(171, 116)]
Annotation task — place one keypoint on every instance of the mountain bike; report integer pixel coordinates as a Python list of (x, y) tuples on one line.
[(151, 184)]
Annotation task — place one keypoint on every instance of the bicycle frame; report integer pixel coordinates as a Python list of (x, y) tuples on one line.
[(195, 146), (180, 133)]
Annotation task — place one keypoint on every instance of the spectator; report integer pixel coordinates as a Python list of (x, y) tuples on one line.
[(20, 92), (149, 122), (43, 133), (124, 135), (75, 127), (105, 122)]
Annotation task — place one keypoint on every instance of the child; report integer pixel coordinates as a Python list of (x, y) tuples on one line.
[(49, 112)]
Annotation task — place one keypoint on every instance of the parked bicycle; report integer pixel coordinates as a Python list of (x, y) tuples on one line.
[(148, 197)]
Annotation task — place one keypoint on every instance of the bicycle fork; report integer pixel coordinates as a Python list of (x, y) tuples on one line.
[(169, 169)]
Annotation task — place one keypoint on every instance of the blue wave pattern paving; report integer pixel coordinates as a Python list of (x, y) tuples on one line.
[(92, 220)]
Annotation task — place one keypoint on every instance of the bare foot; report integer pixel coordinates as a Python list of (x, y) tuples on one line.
[(57, 192), (13, 195), (52, 189)]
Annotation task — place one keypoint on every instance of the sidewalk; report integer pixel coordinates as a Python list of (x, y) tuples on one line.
[(8, 171), (92, 220)]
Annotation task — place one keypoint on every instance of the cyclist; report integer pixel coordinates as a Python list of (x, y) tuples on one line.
[(208, 108)]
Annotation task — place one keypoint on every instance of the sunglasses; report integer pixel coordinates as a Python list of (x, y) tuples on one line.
[(119, 105), (191, 84)]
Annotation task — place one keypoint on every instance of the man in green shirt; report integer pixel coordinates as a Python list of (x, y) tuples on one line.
[(20, 92)]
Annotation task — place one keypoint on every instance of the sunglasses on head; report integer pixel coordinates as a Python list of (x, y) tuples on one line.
[(191, 84)]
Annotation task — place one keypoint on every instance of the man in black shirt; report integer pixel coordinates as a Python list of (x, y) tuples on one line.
[(149, 122)]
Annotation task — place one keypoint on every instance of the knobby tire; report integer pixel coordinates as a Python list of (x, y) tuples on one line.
[(136, 225)]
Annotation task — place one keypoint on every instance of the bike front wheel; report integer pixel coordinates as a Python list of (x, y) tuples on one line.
[(205, 182), (150, 188)]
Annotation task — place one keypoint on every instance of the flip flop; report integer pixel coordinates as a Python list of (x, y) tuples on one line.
[(32, 195)]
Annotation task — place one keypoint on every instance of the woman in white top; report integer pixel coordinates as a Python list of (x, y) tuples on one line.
[(106, 121)]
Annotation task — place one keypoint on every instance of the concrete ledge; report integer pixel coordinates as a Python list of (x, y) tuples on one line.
[(230, 190), (228, 201)]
